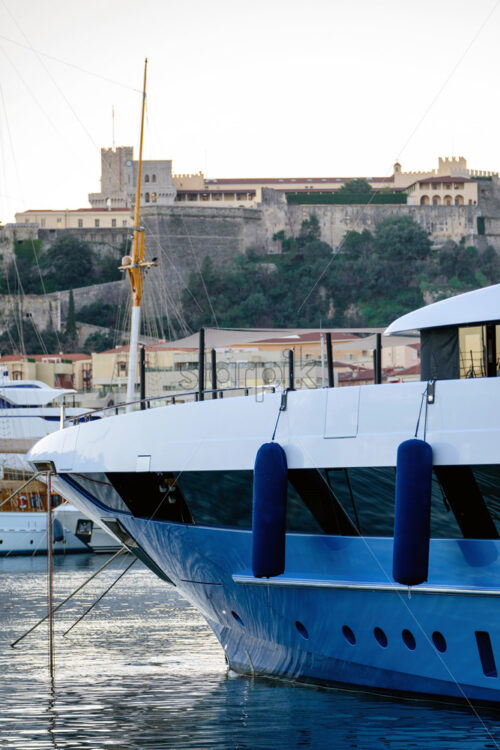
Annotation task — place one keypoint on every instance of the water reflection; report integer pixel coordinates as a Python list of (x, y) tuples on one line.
[(143, 671)]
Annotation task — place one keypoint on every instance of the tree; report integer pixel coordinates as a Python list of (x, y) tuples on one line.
[(106, 267), (24, 337), (98, 342), (99, 313), (68, 264), (70, 332), (310, 231), (400, 239), (23, 274), (353, 189)]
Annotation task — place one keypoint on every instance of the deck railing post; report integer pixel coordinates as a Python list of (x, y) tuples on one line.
[(213, 356), (291, 371), (142, 372), (201, 365), (377, 360), (329, 359)]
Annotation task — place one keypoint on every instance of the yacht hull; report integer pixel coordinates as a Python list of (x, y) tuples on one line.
[(335, 616), (26, 534)]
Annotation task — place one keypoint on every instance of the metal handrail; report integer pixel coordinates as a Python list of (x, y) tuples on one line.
[(88, 415)]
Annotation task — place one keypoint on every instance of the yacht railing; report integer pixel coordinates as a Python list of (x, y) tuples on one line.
[(168, 400)]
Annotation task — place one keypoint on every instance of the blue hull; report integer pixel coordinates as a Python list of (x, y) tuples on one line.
[(335, 615)]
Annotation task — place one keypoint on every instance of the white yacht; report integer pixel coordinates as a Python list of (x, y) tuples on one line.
[(340, 535), (29, 410)]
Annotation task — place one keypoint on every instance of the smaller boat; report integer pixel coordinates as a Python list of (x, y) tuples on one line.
[(30, 410)]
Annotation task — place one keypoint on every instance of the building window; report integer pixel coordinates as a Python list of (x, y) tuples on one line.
[(43, 222), (153, 197), (447, 200), (80, 223), (124, 223), (146, 178), (96, 222), (59, 222), (153, 178), (113, 222), (147, 198)]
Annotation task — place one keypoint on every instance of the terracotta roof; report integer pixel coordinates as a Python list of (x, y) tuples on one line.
[(73, 210), (124, 348), (302, 338), (413, 370), (204, 191), (355, 376), (40, 357), (445, 179), (288, 180)]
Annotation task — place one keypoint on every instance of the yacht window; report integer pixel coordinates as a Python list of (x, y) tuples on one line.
[(152, 495), (314, 488), (98, 486), (479, 351), (473, 493), (465, 499), (367, 497)]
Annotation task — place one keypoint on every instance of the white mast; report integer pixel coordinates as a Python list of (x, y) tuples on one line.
[(135, 265)]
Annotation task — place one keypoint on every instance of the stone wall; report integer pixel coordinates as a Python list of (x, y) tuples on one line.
[(442, 222), (181, 236), (99, 239), (54, 307)]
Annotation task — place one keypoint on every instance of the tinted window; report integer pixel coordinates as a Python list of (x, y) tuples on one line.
[(99, 487), (465, 500)]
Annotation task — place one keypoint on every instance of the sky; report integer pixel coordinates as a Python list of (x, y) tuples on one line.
[(268, 88)]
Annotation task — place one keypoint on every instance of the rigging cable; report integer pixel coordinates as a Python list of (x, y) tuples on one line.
[(434, 100)]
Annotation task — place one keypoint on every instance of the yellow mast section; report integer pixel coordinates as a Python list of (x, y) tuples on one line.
[(136, 265)]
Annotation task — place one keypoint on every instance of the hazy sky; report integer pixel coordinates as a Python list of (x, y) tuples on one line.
[(264, 88)]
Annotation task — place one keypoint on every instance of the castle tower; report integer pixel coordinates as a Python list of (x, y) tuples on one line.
[(114, 165)]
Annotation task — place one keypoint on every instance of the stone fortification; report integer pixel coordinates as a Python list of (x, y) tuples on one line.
[(442, 222), (180, 237), (53, 308)]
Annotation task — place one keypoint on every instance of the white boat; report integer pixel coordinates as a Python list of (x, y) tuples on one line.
[(340, 535), (29, 410)]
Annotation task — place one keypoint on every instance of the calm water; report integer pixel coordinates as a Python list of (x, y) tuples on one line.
[(142, 670)]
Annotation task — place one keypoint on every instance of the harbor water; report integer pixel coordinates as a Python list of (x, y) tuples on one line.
[(143, 671)]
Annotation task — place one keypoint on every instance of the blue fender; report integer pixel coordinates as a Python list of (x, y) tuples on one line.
[(412, 515), (269, 511)]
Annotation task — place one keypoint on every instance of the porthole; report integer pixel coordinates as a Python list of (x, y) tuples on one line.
[(31, 541), (349, 635), (439, 641), (237, 618), (302, 629), (380, 637), (409, 640)]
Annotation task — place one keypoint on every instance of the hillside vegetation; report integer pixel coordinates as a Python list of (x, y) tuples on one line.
[(371, 280)]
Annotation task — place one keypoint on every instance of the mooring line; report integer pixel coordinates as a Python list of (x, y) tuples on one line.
[(110, 560), (101, 596)]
